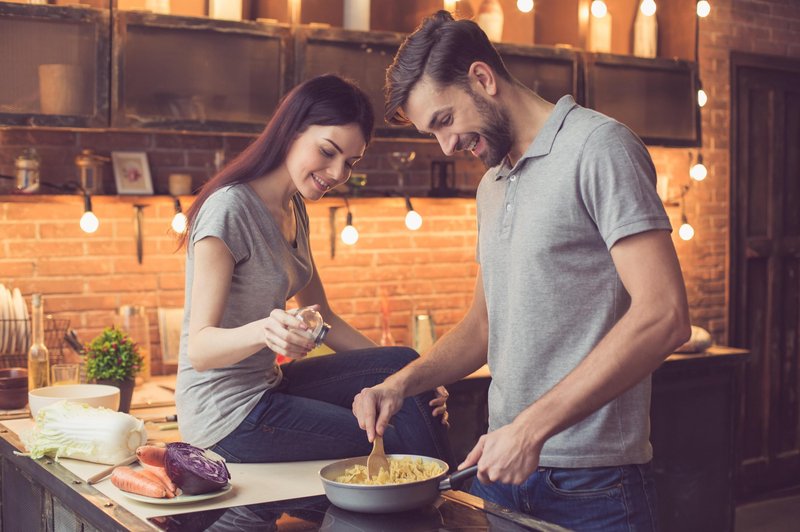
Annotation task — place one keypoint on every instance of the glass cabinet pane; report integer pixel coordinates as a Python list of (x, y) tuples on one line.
[(180, 72), (549, 73), (54, 65), (656, 98), (359, 56)]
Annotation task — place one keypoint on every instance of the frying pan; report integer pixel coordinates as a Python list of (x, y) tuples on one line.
[(390, 497)]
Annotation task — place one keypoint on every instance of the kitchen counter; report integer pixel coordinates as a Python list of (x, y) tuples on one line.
[(46, 495)]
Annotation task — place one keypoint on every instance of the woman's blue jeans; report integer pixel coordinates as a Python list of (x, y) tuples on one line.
[(618, 498), (309, 415)]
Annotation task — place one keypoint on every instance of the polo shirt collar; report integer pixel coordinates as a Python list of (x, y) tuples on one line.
[(543, 142)]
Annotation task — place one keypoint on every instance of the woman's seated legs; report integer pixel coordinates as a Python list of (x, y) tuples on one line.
[(309, 417)]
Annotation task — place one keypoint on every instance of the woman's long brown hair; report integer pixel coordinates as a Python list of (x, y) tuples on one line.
[(321, 101)]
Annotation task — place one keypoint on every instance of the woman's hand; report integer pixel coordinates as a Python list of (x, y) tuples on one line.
[(439, 404), (286, 335)]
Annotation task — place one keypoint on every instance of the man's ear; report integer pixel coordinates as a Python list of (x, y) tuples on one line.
[(484, 76)]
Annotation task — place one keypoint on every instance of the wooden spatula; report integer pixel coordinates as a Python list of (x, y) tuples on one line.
[(377, 458)]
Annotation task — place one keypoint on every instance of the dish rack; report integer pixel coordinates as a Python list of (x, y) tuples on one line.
[(54, 331)]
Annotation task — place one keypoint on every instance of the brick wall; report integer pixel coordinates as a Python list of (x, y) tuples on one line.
[(85, 278)]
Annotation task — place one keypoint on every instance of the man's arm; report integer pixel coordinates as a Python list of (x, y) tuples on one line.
[(456, 354), (655, 324)]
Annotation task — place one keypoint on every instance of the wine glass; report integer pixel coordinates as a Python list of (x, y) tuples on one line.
[(400, 161)]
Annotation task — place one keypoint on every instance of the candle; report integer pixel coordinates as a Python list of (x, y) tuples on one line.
[(600, 34), (356, 14)]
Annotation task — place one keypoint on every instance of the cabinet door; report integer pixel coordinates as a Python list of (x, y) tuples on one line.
[(360, 56), (656, 98), (549, 72), (196, 73), (54, 65)]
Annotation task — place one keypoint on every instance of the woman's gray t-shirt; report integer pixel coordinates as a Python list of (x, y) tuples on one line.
[(268, 271)]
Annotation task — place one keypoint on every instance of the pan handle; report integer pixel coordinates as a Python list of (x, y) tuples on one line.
[(455, 480)]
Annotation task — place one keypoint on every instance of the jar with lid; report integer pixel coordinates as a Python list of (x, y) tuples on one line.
[(90, 171), (26, 167), (317, 328), (133, 320)]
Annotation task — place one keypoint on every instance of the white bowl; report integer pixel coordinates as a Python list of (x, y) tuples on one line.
[(90, 394)]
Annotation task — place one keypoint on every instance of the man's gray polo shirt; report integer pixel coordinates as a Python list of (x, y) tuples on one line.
[(545, 228)]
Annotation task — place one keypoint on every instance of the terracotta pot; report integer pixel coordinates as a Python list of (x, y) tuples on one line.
[(125, 392)]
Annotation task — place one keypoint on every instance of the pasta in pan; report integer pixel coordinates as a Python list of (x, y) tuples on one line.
[(400, 472)]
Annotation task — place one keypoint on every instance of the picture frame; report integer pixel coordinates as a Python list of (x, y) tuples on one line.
[(132, 172)]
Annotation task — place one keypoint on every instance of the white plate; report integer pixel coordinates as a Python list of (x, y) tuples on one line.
[(180, 499), (4, 335), (19, 310), (26, 325)]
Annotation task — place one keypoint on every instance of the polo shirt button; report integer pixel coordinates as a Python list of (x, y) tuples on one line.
[(513, 178), (508, 206)]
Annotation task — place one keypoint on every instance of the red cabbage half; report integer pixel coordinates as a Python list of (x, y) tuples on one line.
[(193, 470)]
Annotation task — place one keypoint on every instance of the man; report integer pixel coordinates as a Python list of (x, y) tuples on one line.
[(579, 297)]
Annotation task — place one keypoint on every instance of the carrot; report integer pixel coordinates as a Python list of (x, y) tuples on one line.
[(132, 481), (161, 473), (151, 455), (155, 478)]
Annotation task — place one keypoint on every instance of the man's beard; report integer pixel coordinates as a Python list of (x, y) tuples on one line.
[(495, 131)]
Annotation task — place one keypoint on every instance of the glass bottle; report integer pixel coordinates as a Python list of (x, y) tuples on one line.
[(26, 167), (645, 31), (38, 359), (317, 327), (134, 322)]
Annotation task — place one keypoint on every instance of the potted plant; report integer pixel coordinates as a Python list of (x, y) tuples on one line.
[(113, 358)]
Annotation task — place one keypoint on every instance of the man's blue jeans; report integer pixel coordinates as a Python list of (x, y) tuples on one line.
[(309, 415), (619, 498)]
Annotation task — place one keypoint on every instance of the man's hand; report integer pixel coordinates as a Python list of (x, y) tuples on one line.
[(508, 455), (439, 404), (374, 407)]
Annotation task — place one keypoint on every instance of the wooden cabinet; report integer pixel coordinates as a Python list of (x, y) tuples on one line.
[(656, 98), (196, 73), (550, 72), (362, 56), (694, 423), (54, 66)]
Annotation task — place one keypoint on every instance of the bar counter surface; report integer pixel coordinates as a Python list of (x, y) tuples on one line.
[(48, 495)]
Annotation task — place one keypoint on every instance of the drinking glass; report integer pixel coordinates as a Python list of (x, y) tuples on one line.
[(64, 374)]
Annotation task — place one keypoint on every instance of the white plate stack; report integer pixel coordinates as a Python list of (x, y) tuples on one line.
[(15, 334)]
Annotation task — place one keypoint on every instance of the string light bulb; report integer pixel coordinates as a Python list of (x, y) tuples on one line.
[(179, 221), (686, 231), (648, 8), (413, 218), (702, 97), (599, 8), (698, 171), (526, 6), (349, 233), (703, 8), (89, 222)]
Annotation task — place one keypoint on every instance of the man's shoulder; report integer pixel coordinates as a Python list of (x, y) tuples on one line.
[(586, 121), (590, 127)]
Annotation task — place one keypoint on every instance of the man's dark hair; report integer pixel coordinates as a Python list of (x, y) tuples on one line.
[(442, 48)]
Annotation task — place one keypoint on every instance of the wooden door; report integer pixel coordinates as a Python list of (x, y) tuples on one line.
[(765, 267)]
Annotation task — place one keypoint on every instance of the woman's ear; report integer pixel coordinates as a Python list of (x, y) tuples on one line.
[(483, 75)]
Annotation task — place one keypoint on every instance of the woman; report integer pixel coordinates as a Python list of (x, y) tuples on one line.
[(247, 254)]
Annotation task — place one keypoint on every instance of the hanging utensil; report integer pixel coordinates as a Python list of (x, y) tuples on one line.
[(138, 227)]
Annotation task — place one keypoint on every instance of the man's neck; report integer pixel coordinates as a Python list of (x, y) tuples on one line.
[(530, 112)]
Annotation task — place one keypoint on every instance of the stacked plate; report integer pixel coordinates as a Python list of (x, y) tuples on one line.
[(14, 327)]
